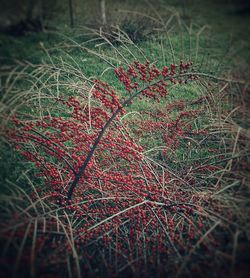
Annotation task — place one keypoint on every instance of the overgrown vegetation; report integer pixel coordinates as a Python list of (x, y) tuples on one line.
[(102, 187)]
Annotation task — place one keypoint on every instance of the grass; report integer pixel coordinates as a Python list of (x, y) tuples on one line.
[(63, 65)]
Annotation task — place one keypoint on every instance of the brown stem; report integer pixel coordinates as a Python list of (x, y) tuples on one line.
[(98, 139)]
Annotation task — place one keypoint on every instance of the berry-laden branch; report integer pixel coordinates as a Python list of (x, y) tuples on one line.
[(146, 74)]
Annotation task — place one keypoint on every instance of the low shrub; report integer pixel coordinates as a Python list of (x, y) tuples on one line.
[(122, 210)]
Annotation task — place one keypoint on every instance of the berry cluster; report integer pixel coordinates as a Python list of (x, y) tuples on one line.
[(156, 79)]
